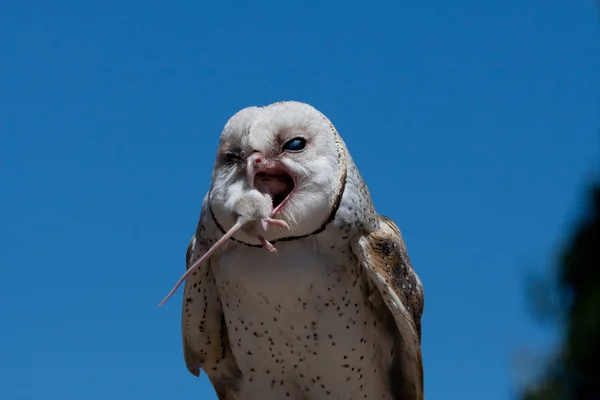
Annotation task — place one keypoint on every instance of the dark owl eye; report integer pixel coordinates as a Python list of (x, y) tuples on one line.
[(296, 144), (231, 157)]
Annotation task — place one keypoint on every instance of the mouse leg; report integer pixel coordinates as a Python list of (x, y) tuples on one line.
[(268, 245), (265, 222)]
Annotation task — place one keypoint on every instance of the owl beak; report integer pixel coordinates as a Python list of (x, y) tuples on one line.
[(253, 164)]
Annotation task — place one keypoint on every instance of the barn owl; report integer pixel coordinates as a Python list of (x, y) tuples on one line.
[(333, 309)]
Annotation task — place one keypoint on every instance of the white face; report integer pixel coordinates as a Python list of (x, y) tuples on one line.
[(302, 165)]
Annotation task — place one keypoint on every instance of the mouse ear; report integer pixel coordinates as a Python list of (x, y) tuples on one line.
[(206, 256)]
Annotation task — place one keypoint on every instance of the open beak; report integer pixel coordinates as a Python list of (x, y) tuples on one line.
[(268, 177)]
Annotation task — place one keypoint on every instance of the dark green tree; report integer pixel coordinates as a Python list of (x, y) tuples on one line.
[(574, 373)]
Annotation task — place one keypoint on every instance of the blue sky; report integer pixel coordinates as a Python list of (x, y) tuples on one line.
[(475, 124)]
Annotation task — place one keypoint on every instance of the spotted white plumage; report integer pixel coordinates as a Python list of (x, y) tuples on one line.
[(335, 313)]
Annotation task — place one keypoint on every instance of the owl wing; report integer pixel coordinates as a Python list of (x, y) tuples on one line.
[(396, 294), (205, 337)]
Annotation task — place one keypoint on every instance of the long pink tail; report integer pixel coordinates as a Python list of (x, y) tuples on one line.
[(205, 257)]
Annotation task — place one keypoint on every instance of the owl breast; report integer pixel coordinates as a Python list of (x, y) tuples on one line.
[(299, 325)]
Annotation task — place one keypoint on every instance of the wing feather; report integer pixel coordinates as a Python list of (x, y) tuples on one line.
[(397, 294)]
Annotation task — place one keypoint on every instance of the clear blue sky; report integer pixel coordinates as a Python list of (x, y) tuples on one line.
[(475, 124)]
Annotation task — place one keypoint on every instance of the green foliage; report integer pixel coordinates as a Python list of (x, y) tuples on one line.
[(575, 372)]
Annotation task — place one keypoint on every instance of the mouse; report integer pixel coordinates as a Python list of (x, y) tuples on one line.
[(253, 212)]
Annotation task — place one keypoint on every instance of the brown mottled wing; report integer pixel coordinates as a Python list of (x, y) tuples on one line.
[(205, 340), (397, 296)]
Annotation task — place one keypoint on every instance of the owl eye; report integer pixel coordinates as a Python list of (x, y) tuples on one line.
[(231, 157), (296, 144)]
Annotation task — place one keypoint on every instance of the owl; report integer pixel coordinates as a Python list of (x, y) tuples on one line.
[(295, 287)]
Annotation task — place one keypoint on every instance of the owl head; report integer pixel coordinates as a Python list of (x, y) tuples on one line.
[(288, 151)]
